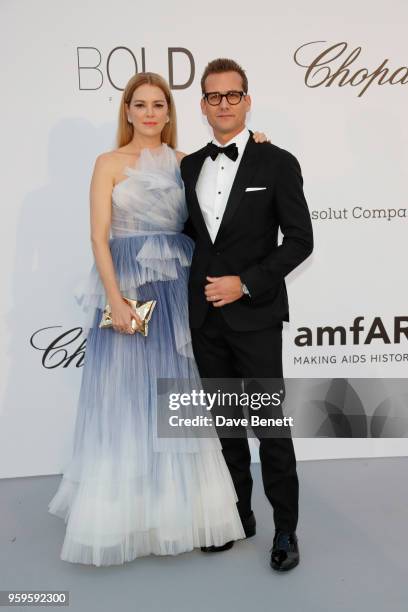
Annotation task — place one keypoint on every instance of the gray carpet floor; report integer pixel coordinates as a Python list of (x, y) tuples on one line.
[(352, 534)]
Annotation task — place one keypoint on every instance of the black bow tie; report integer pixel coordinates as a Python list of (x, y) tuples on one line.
[(230, 151)]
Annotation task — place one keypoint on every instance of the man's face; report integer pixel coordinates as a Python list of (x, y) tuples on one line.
[(225, 118)]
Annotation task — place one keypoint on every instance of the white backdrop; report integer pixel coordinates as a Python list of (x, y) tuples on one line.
[(58, 116)]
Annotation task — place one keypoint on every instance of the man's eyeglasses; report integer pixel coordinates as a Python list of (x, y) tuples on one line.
[(214, 98)]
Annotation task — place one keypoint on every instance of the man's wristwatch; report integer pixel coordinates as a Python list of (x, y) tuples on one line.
[(245, 289)]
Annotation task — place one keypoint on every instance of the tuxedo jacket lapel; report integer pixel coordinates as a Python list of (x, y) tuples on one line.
[(195, 208)]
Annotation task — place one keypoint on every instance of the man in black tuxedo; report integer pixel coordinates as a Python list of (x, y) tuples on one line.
[(239, 193)]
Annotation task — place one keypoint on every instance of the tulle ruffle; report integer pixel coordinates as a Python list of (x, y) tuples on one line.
[(183, 501), (141, 261), (152, 197)]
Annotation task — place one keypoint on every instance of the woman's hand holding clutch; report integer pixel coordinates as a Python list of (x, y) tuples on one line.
[(124, 318)]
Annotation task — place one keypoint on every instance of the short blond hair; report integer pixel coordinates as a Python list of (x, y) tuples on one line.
[(223, 64)]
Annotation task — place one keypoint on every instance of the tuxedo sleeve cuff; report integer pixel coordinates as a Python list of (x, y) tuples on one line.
[(245, 289), (256, 280)]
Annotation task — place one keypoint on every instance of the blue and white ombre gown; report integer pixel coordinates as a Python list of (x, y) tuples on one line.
[(126, 492)]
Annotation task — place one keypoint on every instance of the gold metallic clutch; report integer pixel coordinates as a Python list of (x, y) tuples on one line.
[(142, 309)]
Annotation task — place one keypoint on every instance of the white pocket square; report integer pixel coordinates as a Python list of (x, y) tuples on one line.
[(255, 188)]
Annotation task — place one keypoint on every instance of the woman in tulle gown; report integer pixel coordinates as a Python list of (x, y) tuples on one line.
[(127, 492)]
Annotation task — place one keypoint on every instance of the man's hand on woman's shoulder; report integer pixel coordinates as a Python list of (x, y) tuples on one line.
[(180, 155)]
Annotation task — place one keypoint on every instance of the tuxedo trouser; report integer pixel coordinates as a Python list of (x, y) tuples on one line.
[(221, 352)]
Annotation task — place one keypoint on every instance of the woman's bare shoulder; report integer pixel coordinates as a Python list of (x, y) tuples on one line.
[(114, 161), (106, 160)]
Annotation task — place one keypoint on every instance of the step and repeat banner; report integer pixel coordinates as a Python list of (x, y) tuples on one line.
[(330, 84)]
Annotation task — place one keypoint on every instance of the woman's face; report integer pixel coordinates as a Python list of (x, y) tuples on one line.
[(148, 110)]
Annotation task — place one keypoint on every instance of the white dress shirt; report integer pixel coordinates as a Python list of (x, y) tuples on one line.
[(215, 181)]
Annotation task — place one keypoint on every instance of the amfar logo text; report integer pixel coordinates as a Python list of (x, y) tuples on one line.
[(332, 66), (92, 69), (358, 333)]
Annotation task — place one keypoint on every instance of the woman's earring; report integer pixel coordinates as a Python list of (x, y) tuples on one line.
[(129, 120), (168, 119)]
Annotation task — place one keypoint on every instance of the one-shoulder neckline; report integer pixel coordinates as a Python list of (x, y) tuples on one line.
[(163, 146)]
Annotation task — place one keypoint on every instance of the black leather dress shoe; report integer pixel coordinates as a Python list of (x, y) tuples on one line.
[(213, 549), (285, 551)]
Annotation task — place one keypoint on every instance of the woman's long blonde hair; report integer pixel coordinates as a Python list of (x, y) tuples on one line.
[(125, 129)]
